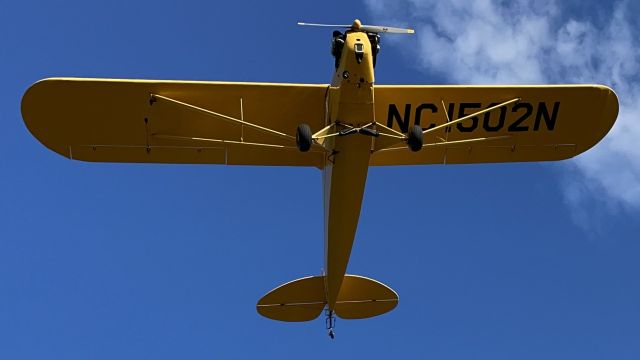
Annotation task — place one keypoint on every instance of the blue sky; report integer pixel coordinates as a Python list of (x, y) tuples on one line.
[(500, 261)]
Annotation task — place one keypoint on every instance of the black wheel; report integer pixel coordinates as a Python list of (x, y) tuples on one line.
[(303, 137), (415, 138)]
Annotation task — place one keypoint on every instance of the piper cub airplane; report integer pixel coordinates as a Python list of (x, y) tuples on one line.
[(341, 128)]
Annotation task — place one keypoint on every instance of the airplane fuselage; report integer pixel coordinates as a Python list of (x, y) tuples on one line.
[(350, 102)]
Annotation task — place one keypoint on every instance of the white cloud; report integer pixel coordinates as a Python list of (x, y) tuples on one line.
[(533, 42)]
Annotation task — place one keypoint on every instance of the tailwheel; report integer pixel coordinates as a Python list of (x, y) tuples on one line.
[(304, 137), (331, 322), (415, 138)]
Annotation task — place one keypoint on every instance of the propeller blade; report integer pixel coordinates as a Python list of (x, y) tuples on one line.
[(324, 25), (368, 28), (385, 29)]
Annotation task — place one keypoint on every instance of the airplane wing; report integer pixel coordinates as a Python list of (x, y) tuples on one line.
[(534, 123), (175, 121)]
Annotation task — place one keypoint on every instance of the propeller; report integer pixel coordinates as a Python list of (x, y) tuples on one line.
[(357, 26)]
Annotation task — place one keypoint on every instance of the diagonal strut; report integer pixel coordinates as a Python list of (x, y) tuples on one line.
[(155, 97)]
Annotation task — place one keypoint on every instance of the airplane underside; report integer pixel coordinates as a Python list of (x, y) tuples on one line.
[(341, 129)]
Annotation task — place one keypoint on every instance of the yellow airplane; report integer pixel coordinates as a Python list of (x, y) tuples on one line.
[(341, 128)]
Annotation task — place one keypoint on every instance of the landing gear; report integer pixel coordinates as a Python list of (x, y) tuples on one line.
[(331, 323), (304, 137), (415, 138)]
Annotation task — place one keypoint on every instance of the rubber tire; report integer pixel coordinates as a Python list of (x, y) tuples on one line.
[(415, 138), (303, 137)]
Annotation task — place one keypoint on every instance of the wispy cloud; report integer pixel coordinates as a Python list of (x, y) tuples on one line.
[(544, 41)]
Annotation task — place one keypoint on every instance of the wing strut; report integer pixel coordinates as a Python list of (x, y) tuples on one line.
[(221, 141), (394, 137), (454, 142), (154, 98), (468, 116)]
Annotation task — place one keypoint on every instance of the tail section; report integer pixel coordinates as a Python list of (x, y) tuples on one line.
[(304, 299)]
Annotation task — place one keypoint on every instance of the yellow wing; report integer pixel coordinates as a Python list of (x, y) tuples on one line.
[(115, 121), (538, 123)]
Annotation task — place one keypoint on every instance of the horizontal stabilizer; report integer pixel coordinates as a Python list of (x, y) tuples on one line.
[(304, 299), (297, 300), (361, 298)]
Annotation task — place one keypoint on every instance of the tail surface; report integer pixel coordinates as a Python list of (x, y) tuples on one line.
[(304, 299)]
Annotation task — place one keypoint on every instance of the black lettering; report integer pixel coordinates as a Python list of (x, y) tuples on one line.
[(432, 107), (549, 120), (516, 127), (486, 124), (462, 113), (394, 114)]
